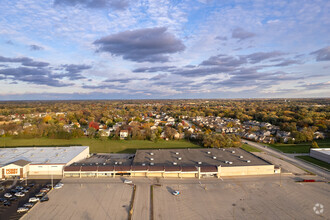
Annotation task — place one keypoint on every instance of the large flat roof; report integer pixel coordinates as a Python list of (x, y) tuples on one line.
[(193, 157), (40, 155), (322, 150)]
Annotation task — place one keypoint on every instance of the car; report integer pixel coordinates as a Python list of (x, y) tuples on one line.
[(14, 190), (176, 193), (3, 199), (33, 199), (32, 185), (19, 194), (49, 185), (14, 198), (2, 188), (22, 209), (40, 194), (29, 204), (7, 203), (25, 191), (8, 195), (44, 199), (58, 186), (45, 190), (19, 187), (128, 181)]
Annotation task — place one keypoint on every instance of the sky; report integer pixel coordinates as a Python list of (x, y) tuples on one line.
[(164, 49)]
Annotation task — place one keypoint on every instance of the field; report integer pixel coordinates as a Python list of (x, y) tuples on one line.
[(250, 148), (98, 145), (315, 161), (299, 148)]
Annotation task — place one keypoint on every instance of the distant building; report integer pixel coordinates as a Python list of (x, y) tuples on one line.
[(320, 154), (123, 134)]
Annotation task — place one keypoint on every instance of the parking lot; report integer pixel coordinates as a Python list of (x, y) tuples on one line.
[(86, 199), (10, 212), (267, 197)]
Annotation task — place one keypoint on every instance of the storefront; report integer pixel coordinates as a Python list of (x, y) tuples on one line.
[(16, 170)]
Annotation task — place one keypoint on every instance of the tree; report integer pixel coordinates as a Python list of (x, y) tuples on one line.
[(315, 145), (94, 125)]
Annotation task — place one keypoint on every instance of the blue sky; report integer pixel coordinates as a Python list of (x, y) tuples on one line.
[(125, 49)]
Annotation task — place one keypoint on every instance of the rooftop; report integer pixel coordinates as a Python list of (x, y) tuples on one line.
[(197, 157), (40, 155), (322, 150)]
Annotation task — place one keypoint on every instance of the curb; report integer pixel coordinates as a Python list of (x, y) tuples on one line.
[(305, 161)]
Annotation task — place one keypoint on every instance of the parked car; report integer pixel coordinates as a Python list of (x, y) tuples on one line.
[(25, 191), (22, 209), (29, 204), (45, 190), (19, 187), (176, 193), (49, 185), (7, 203), (14, 198), (2, 188), (8, 195), (19, 194), (40, 194), (33, 199), (58, 186), (44, 199), (128, 181), (3, 199), (14, 190), (31, 185)]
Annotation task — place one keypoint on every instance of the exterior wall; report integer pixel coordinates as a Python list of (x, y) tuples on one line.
[(84, 154), (317, 154), (13, 170), (176, 175), (155, 174), (188, 175), (46, 169), (139, 174), (247, 170)]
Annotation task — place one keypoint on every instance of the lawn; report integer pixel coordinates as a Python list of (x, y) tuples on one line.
[(299, 148), (250, 148), (97, 145), (315, 161)]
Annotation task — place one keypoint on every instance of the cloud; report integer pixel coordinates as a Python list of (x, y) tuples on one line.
[(224, 60), (124, 80), (9, 42), (260, 56), (142, 45), (95, 4), (312, 86), (322, 54), (241, 34), (221, 38), (153, 69), (35, 47), (37, 76), (25, 61)]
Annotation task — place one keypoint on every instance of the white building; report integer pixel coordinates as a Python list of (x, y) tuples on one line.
[(320, 154), (32, 162)]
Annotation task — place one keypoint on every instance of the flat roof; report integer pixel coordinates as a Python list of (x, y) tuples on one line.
[(40, 155), (197, 157), (322, 150)]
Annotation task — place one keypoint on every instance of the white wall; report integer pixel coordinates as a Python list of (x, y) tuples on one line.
[(46, 169)]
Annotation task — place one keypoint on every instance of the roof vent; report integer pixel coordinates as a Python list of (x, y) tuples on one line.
[(174, 163), (248, 161), (116, 162), (120, 162), (240, 156), (230, 162), (151, 158), (214, 157), (226, 161), (208, 152), (143, 164), (180, 158), (223, 149), (151, 153), (151, 164), (199, 162), (233, 151), (176, 153), (104, 163)]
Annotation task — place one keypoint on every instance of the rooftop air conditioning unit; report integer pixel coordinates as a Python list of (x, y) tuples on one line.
[(223, 149), (143, 164), (180, 158), (233, 151), (199, 162), (230, 162), (240, 156), (214, 157), (151, 158), (175, 163), (116, 162), (176, 153), (208, 152), (226, 161), (248, 161), (151, 153), (120, 162), (151, 164)]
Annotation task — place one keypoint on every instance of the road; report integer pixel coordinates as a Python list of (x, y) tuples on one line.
[(314, 169)]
